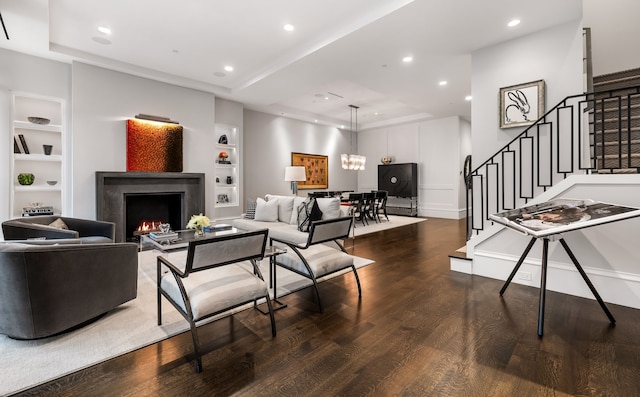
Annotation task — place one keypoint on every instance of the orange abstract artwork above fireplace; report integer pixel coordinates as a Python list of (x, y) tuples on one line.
[(153, 146)]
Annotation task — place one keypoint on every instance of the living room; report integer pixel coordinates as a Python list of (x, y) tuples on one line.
[(100, 100)]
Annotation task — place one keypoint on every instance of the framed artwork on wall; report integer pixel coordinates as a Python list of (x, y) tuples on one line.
[(316, 168), (153, 147), (522, 104)]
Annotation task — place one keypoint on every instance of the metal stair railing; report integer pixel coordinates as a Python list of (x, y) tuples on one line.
[(582, 134)]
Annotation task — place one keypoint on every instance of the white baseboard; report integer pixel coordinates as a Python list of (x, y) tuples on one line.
[(461, 265), (614, 287)]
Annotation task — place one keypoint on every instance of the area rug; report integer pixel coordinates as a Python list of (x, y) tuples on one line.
[(25, 364), (394, 221)]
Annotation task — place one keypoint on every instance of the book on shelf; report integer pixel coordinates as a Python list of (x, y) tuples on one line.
[(25, 148), (17, 146), (562, 215), (221, 226)]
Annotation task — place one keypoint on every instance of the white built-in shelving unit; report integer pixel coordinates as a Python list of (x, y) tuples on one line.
[(227, 175), (43, 167)]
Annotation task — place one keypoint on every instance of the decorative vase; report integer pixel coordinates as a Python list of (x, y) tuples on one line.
[(199, 232)]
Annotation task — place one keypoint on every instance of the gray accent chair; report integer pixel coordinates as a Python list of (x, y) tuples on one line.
[(315, 259), (32, 227), (211, 282), (46, 289)]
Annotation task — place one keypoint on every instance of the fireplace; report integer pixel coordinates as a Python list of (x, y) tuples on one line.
[(129, 198)]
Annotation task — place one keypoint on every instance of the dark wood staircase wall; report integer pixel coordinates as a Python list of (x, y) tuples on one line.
[(616, 127)]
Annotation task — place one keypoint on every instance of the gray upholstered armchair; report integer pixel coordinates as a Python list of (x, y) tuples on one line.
[(88, 231), (48, 289)]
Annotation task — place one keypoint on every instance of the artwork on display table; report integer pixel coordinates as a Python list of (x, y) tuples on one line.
[(562, 215), (316, 169)]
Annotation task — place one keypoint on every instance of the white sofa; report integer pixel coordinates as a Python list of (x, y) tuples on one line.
[(279, 214)]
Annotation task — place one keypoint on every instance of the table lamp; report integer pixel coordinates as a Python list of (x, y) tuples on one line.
[(294, 175)]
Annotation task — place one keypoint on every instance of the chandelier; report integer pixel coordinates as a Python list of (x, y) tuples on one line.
[(353, 161)]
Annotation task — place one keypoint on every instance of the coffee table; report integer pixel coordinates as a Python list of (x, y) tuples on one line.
[(181, 241)]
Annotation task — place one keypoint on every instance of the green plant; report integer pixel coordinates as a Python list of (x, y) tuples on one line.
[(26, 179)]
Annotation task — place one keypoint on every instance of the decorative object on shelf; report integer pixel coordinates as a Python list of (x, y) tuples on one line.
[(23, 142), (38, 120), (47, 149), (217, 180), (198, 222), (35, 204), (223, 199), (26, 179), (353, 161), (294, 175), (222, 158), (522, 104), (52, 183), (154, 146), (229, 180), (316, 168), (386, 160), (223, 140), (37, 210)]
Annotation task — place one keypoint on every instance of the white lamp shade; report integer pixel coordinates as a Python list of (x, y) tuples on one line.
[(295, 174)]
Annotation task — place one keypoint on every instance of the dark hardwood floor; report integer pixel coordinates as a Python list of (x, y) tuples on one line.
[(419, 330)]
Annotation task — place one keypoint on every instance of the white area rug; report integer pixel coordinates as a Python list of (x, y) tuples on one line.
[(25, 364), (394, 221)]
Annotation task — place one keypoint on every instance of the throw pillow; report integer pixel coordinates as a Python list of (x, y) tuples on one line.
[(330, 207), (251, 209), (59, 224), (285, 206), (308, 212), (266, 211), (294, 213)]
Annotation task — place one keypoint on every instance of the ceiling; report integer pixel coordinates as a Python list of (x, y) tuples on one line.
[(340, 52)]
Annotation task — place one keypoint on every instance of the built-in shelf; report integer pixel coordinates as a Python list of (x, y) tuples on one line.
[(44, 167), (226, 193)]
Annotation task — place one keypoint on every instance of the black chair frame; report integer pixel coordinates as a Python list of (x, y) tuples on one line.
[(312, 240), (180, 274)]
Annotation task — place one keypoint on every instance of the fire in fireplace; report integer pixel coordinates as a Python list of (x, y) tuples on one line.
[(145, 212), (146, 227)]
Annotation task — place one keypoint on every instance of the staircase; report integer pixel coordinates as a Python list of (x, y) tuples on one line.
[(583, 134), (616, 122)]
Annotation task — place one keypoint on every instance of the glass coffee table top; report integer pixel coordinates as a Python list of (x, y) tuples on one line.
[(181, 241)]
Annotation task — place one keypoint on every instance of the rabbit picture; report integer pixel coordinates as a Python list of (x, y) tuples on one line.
[(518, 108)]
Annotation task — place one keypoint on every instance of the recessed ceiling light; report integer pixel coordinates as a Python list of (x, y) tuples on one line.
[(101, 40), (443, 82), (326, 98), (375, 113), (104, 30), (342, 126), (513, 23), (315, 121), (467, 98), (407, 59), (289, 27), (228, 68)]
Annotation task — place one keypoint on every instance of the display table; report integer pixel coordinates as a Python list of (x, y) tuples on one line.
[(547, 221)]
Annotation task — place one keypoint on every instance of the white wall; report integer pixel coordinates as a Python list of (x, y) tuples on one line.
[(102, 102), (553, 55), (437, 146), (25, 73), (614, 34), (268, 143)]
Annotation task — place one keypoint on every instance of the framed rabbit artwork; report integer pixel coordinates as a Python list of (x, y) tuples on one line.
[(521, 104)]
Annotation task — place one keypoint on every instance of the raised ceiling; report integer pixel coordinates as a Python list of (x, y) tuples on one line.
[(340, 52)]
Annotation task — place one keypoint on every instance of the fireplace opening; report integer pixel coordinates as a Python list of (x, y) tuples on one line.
[(145, 212)]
